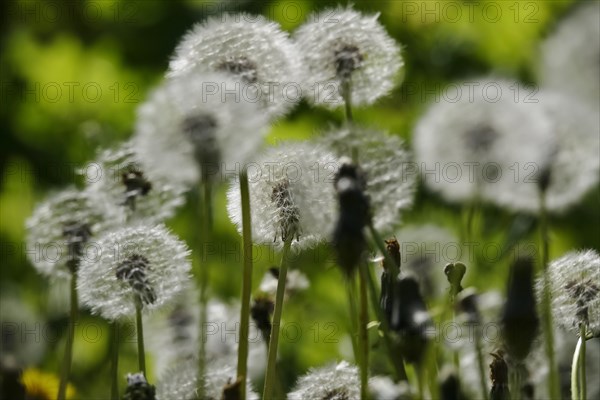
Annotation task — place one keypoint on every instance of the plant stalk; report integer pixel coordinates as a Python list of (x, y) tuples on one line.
[(246, 283), (68, 357), (114, 365), (363, 334), (274, 342), (140, 337), (582, 372)]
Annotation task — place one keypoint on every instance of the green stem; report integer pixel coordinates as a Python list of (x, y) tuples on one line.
[(553, 382), (140, 337), (582, 373), (205, 210), (347, 96), (246, 283), (363, 334), (575, 394), (392, 351), (114, 366), (274, 342), (353, 309), (68, 358)]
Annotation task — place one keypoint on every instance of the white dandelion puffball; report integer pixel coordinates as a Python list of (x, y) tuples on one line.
[(296, 281), (344, 46), (192, 125), (388, 166), (180, 382), (424, 252), (575, 290), (250, 48), (384, 388), (574, 168), (569, 59), (335, 381), (486, 144), (126, 193), (139, 264), (173, 335), (291, 195), (60, 229)]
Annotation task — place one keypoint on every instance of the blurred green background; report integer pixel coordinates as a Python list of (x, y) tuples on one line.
[(73, 73)]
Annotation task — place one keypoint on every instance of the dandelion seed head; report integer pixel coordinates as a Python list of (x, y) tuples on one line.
[(388, 169), (569, 56), (180, 382), (59, 229), (384, 388), (291, 194), (138, 263), (335, 382), (251, 49), (342, 45), (574, 165), (189, 125), (575, 289), (125, 192), (487, 144)]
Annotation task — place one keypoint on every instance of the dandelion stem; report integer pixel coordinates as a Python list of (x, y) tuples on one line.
[(246, 283), (481, 365), (351, 293), (273, 343), (140, 337), (363, 333), (205, 209), (68, 358), (347, 96), (575, 370), (553, 382), (582, 373), (114, 366)]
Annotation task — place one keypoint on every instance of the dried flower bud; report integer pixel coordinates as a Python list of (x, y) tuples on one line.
[(261, 311), (393, 248), (450, 386), (499, 377), (519, 317), (138, 388), (231, 391)]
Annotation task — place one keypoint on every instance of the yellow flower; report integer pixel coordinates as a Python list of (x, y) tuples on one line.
[(42, 386)]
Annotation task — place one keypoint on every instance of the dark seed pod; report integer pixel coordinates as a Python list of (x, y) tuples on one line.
[(133, 271), (135, 184), (519, 320), (138, 388), (231, 391), (348, 238), (261, 311), (410, 319)]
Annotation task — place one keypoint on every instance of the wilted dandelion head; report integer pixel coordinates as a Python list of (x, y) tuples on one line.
[(140, 264), (190, 128), (342, 46), (291, 195), (388, 168), (569, 59), (575, 288), (332, 382), (180, 382), (487, 144), (124, 191), (59, 229), (574, 166), (251, 49)]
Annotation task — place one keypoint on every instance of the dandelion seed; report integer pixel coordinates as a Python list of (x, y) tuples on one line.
[(342, 46), (569, 59), (59, 229), (180, 382), (125, 191), (251, 49), (574, 285), (335, 382), (291, 195), (487, 145), (139, 263), (189, 129), (388, 169)]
